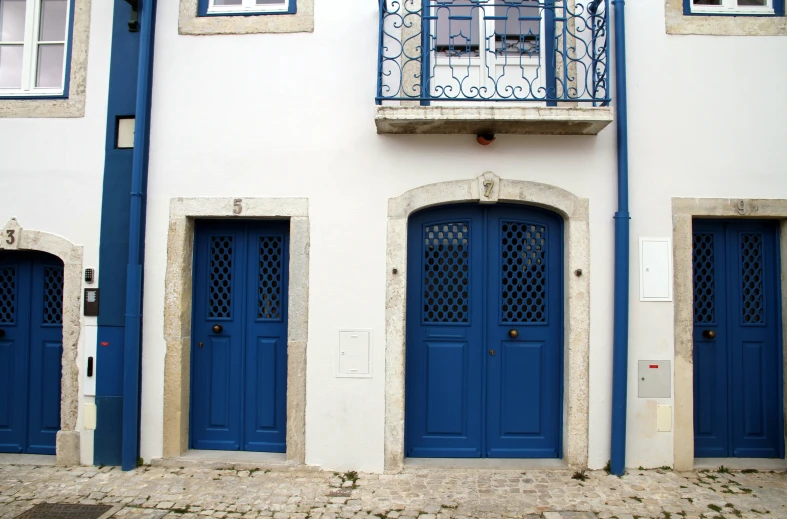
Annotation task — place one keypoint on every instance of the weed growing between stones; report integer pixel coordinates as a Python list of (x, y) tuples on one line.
[(581, 476)]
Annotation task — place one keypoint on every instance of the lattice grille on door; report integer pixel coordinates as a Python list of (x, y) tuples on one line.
[(751, 279), (270, 299), (704, 264), (53, 295), (524, 273), (220, 286), (7, 295), (446, 273)]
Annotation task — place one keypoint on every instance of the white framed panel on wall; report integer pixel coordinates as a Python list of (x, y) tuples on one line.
[(354, 355), (655, 269)]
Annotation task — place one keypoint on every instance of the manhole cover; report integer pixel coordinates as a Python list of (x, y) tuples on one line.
[(65, 511)]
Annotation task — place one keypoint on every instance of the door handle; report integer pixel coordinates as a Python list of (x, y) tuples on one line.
[(513, 333), (492, 352), (217, 328), (709, 334), (200, 344)]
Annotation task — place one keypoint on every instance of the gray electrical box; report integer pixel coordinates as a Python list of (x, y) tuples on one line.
[(653, 379)]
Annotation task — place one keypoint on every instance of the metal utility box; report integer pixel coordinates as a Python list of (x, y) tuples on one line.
[(354, 353), (653, 379)]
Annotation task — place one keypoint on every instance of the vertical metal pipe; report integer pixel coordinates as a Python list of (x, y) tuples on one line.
[(133, 315), (622, 220)]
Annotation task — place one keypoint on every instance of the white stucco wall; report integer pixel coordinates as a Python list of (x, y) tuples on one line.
[(51, 170), (291, 115)]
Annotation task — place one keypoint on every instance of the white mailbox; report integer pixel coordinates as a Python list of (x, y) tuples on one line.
[(354, 356), (653, 379)]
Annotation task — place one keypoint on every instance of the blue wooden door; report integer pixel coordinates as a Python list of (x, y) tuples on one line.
[(239, 338), (31, 348), (737, 340), (484, 333)]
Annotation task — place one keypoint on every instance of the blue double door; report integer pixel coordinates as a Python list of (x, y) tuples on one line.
[(484, 345), (239, 336), (31, 348), (737, 340)]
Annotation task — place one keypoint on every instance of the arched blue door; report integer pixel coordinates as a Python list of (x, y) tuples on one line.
[(484, 333), (31, 348), (239, 337)]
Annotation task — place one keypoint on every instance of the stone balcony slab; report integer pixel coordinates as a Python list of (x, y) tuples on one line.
[(474, 120)]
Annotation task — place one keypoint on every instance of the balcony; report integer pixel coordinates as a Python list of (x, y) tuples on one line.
[(493, 66)]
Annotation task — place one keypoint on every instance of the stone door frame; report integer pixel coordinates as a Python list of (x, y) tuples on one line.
[(183, 212), (684, 210), (68, 438), (489, 188)]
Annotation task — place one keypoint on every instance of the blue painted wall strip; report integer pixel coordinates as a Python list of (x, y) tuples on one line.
[(136, 252), (622, 224), (115, 209)]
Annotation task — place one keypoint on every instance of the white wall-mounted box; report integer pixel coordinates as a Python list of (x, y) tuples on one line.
[(663, 418), (654, 379), (655, 269), (354, 355)]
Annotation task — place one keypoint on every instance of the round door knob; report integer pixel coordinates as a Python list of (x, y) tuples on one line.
[(513, 333), (217, 328), (709, 334)]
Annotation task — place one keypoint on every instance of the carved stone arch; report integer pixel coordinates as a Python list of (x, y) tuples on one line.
[(67, 447), (575, 213)]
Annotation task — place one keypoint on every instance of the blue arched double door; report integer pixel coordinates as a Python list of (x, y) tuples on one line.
[(31, 348), (484, 353)]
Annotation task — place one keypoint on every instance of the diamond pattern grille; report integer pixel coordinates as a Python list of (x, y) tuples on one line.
[(269, 301), (53, 295), (524, 273), (704, 265), (446, 273), (752, 279), (220, 286), (7, 295)]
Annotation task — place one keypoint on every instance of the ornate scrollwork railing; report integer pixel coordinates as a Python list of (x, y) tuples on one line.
[(547, 51)]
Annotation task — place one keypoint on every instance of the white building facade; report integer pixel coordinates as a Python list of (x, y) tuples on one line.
[(356, 284)]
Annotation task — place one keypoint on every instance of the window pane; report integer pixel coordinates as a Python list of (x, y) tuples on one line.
[(760, 3), (53, 20), (707, 2), (457, 25), (520, 19), (12, 20), (50, 66), (227, 2), (11, 66), (271, 2)]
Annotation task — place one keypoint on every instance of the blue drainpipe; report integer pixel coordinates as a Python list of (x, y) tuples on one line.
[(622, 219), (136, 248)]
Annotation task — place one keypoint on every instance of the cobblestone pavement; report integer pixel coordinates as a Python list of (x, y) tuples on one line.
[(197, 493)]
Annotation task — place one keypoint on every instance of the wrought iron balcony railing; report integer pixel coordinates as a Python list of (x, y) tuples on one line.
[(543, 51)]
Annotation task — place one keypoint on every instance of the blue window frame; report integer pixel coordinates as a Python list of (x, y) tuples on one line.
[(246, 7), (733, 7), (35, 48)]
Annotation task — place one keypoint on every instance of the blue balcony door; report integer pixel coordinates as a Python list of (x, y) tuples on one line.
[(737, 340), (31, 348), (239, 337), (484, 344)]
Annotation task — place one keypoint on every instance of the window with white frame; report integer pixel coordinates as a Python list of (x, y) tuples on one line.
[(209, 7), (755, 7), (33, 47)]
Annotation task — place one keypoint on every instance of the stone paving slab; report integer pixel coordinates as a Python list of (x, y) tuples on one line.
[(194, 492)]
